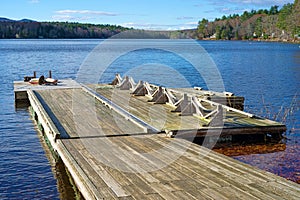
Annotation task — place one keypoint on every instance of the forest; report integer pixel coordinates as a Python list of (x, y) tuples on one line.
[(32, 30), (266, 24)]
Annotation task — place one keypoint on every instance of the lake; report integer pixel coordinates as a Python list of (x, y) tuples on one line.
[(266, 74)]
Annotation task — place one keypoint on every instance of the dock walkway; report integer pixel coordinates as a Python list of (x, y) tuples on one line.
[(161, 117), (113, 157)]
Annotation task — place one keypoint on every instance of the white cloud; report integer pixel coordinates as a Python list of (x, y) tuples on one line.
[(85, 12), (80, 15), (252, 3), (147, 26), (70, 18), (184, 18), (198, 5), (262, 2), (34, 1), (192, 23), (158, 27), (226, 7), (188, 25), (227, 10)]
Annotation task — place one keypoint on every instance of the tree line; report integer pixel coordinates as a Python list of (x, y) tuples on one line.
[(52, 30), (273, 23)]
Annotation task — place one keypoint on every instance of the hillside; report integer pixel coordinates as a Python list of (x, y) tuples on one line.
[(26, 28), (274, 24)]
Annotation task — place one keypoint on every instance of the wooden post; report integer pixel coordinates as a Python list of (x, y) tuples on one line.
[(50, 74), (34, 74)]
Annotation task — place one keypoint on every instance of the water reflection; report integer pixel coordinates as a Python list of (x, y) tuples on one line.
[(65, 184), (238, 150)]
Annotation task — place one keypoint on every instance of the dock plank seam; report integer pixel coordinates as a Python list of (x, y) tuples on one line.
[(120, 110)]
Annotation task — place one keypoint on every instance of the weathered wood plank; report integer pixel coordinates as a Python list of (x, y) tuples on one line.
[(103, 189), (115, 155)]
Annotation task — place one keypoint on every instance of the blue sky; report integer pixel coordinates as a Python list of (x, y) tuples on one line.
[(143, 14)]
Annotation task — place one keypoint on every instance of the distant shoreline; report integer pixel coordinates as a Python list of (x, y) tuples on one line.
[(260, 40), (249, 40)]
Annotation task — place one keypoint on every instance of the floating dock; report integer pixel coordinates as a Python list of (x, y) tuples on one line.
[(121, 145)]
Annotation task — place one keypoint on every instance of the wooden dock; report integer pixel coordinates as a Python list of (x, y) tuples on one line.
[(235, 122), (110, 144)]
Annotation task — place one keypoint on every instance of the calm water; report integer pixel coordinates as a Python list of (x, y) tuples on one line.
[(267, 74)]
